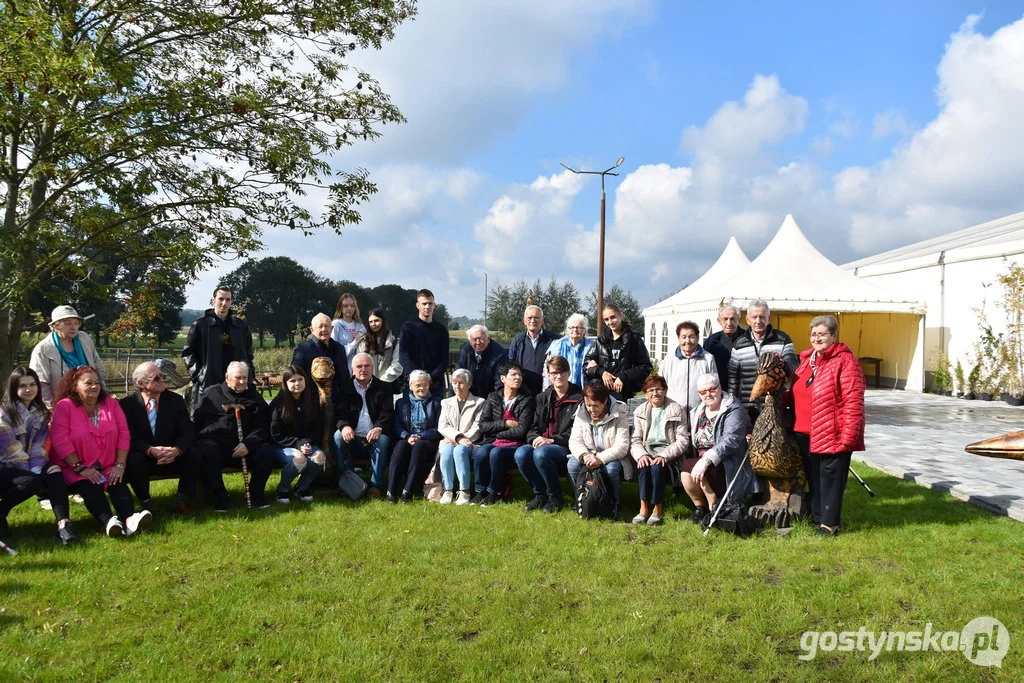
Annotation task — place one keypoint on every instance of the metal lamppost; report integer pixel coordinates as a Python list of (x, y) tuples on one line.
[(485, 298), (600, 268)]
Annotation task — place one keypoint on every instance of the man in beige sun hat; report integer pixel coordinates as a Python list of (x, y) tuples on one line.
[(65, 348)]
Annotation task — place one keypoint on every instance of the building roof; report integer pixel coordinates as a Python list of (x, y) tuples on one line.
[(994, 239), (731, 261), (791, 275)]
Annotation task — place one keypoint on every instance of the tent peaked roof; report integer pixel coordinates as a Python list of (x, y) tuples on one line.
[(792, 275), (731, 261)]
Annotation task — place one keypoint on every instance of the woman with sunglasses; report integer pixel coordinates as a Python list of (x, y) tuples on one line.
[(828, 402), (719, 433)]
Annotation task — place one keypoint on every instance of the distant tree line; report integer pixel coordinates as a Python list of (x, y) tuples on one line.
[(278, 298), (559, 300)]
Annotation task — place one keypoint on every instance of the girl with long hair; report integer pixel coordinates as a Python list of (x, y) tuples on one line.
[(297, 430), (24, 467)]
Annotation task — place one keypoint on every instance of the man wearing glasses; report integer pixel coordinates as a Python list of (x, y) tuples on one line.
[(163, 439)]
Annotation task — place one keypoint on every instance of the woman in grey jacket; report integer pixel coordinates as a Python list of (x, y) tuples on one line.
[(720, 426), (661, 435)]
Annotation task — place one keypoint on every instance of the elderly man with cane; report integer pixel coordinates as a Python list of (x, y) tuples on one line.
[(233, 431)]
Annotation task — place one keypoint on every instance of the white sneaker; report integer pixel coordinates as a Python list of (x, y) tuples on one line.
[(114, 528), (447, 497), (45, 504), (462, 498), (140, 521)]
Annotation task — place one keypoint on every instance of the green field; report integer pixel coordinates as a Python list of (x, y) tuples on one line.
[(335, 590)]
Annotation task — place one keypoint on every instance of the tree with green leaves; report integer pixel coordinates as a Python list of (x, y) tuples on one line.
[(624, 299), (277, 296), (506, 303), (175, 131)]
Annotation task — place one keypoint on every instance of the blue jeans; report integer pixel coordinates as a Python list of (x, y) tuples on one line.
[(541, 467), (490, 464), (378, 452), (651, 480), (295, 464), (455, 460), (612, 469)]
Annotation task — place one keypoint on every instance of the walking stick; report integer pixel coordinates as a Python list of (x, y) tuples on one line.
[(9, 549), (238, 408), (721, 501), (863, 483)]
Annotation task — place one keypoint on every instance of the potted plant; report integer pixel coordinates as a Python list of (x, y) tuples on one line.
[(973, 380), (961, 384), (943, 379)]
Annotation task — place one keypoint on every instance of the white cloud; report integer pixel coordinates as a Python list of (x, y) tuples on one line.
[(965, 165), (465, 73), (888, 123)]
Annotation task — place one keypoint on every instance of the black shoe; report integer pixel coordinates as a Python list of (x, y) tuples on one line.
[(390, 497), (283, 498), (406, 497), (66, 535), (539, 501), (554, 504), (824, 531), (491, 499), (5, 528), (477, 498), (698, 515), (260, 502), (221, 502)]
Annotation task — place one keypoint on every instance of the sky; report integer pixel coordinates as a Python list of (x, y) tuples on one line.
[(876, 124)]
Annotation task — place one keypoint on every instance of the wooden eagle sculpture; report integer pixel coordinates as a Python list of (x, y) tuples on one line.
[(774, 453), (322, 374)]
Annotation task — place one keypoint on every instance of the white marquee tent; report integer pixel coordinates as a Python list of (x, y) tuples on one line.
[(799, 282)]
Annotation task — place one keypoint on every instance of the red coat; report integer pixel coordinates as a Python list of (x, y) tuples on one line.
[(837, 399)]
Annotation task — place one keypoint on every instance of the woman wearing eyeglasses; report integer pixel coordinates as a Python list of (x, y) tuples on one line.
[(719, 433), (661, 435), (828, 401)]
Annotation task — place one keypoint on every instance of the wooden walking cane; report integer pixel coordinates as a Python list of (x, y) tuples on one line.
[(238, 408)]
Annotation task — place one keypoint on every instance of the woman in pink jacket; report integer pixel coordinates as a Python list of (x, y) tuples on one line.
[(90, 441), (828, 401)]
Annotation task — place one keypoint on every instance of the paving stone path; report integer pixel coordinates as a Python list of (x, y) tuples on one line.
[(921, 438)]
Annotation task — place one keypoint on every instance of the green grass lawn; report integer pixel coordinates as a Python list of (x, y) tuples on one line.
[(369, 591)]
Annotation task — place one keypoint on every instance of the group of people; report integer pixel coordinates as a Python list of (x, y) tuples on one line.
[(549, 406)]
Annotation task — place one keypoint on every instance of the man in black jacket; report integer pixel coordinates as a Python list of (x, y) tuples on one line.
[(719, 344), (321, 344), (217, 429), (482, 356), (529, 348), (215, 340), (423, 343), (163, 439), (367, 412)]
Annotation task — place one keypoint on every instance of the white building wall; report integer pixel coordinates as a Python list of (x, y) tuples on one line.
[(955, 295)]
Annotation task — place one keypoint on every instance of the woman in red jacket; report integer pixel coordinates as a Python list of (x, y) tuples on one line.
[(828, 400)]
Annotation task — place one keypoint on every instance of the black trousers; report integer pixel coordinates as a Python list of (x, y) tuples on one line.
[(96, 503), (826, 477), (414, 462), (18, 485), (215, 456), (187, 467)]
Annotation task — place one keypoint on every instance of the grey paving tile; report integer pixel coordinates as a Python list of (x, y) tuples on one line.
[(921, 438)]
